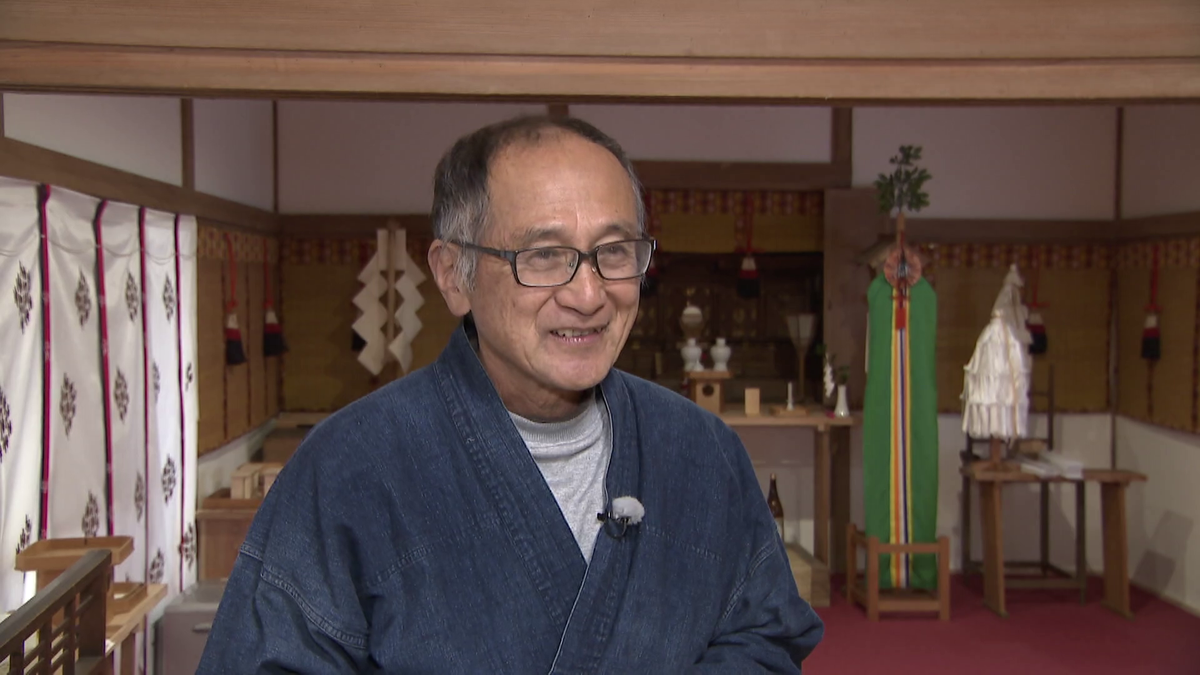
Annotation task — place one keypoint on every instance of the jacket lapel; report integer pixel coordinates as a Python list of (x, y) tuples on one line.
[(592, 620), (524, 505)]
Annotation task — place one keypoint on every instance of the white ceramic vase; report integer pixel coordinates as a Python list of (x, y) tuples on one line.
[(843, 407), (691, 356), (720, 353)]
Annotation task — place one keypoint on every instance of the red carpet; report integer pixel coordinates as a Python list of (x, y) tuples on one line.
[(1047, 631)]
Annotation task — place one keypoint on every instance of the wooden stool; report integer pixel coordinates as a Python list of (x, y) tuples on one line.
[(868, 593)]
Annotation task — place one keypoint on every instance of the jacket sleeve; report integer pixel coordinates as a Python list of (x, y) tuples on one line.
[(292, 603), (261, 626), (766, 626)]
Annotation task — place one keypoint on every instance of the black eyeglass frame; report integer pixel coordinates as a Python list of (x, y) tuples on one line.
[(591, 256)]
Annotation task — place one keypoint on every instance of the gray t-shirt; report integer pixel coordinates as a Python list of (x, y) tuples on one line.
[(573, 457)]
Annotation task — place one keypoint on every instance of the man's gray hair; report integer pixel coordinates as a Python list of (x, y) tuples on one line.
[(460, 184)]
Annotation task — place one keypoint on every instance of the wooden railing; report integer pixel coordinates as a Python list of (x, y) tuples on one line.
[(68, 617)]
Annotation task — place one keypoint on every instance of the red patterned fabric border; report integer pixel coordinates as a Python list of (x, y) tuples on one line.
[(764, 202), (1177, 253), (1045, 256), (246, 247), (344, 251)]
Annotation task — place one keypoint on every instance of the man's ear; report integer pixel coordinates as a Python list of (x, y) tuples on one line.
[(443, 263)]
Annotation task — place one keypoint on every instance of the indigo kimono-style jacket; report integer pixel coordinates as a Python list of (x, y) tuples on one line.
[(412, 532)]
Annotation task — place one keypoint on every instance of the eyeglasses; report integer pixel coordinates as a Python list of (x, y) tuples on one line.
[(556, 265)]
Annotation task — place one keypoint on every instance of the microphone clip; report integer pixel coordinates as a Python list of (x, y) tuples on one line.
[(623, 512)]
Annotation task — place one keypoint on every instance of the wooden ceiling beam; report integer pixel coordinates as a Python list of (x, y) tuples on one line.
[(29, 162), (748, 29), (215, 72)]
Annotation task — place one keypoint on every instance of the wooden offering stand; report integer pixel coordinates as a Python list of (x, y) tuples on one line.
[(706, 388), (49, 558), (253, 480)]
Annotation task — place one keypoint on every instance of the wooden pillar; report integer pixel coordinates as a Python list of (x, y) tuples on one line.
[(993, 546), (1116, 549), (821, 501), (839, 479)]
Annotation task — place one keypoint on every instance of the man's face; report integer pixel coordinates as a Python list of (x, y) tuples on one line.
[(542, 346)]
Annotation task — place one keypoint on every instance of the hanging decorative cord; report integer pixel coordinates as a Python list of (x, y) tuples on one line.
[(748, 283), (273, 344), (1151, 340), (1037, 328), (235, 354)]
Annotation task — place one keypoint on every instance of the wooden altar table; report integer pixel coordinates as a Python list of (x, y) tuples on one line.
[(992, 479), (831, 473)]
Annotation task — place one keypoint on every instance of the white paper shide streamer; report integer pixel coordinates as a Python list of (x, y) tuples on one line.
[(369, 325), (410, 302), (996, 380), (371, 300)]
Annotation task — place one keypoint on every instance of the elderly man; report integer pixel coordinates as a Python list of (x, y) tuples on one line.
[(520, 506)]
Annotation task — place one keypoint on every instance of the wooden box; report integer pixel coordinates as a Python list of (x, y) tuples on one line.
[(281, 444), (707, 388), (752, 402), (268, 475), (252, 479), (222, 523), (244, 484), (811, 575)]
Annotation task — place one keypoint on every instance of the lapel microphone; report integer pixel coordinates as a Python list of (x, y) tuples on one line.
[(623, 512)]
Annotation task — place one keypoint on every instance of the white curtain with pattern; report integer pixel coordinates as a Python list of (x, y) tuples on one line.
[(20, 381), (98, 384)]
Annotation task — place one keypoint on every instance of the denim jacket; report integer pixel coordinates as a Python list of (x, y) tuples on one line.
[(412, 532)]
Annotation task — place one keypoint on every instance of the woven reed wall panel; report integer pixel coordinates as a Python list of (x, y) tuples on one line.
[(720, 233), (320, 372), (697, 232), (255, 287), (774, 233), (1172, 386), (1133, 396), (965, 298), (237, 378), (210, 355), (226, 406), (1077, 318)]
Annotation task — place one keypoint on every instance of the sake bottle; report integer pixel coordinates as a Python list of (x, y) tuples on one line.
[(776, 506)]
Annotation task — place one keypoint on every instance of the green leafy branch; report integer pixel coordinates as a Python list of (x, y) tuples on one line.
[(902, 190)]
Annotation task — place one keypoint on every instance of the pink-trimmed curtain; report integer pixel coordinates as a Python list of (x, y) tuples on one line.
[(98, 384)]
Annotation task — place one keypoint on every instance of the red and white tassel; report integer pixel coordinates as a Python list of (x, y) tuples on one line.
[(650, 280), (748, 283), (1037, 333), (273, 344), (1151, 339), (235, 354)]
